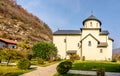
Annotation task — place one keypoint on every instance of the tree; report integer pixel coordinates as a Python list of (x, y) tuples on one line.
[(45, 50), (26, 54), (1, 55), (24, 44), (9, 54)]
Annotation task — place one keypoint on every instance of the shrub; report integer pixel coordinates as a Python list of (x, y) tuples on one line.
[(23, 64), (100, 72), (29, 57), (114, 60), (58, 58), (74, 57), (83, 58), (40, 61), (64, 67), (77, 57)]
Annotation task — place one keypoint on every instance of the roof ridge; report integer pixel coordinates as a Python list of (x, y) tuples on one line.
[(9, 41), (91, 36)]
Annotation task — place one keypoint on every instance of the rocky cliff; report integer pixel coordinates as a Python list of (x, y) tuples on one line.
[(17, 24)]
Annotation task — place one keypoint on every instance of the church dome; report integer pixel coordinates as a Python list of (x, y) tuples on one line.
[(92, 18)]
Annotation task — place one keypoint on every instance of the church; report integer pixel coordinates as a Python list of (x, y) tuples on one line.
[(90, 42)]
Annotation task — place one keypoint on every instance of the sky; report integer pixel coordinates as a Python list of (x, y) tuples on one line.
[(69, 14)]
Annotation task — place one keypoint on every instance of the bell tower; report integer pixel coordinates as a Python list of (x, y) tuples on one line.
[(92, 22)]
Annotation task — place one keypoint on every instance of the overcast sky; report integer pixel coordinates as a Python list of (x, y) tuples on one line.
[(69, 14)]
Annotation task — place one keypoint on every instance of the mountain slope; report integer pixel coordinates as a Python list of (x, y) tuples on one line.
[(117, 50), (16, 23)]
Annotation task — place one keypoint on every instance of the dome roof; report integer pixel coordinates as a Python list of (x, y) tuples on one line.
[(92, 18)]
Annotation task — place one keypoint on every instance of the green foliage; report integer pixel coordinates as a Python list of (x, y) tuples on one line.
[(74, 57), (40, 61), (100, 72), (64, 67), (24, 44), (114, 60), (44, 50), (11, 70), (9, 54), (23, 64), (89, 65), (27, 54), (83, 58), (116, 56)]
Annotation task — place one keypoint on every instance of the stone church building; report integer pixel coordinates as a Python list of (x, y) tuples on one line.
[(90, 41)]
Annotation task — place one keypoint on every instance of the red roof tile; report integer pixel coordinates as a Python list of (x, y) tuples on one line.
[(9, 41)]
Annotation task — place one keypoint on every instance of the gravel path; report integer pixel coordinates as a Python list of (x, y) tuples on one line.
[(42, 71)]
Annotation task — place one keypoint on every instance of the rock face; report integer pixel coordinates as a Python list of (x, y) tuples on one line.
[(17, 24)]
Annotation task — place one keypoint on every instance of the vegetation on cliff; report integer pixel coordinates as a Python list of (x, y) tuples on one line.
[(17, 24)]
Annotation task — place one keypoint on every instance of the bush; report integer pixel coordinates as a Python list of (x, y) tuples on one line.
[(74, 57), (40, 61), (100, 72), (23, 64), (64, 67), (114, 60), (29, 57), (83, 58)]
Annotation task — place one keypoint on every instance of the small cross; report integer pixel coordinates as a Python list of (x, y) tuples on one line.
[(91, 12)]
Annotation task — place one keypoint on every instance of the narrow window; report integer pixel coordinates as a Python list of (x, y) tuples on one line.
[(64, 40), (101, 50), (91, 24), (96, 24), (89, 43)]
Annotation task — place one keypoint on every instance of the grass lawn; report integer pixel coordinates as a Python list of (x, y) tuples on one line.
[(46, 63), (11, 70), (89, 65), (71, 75)]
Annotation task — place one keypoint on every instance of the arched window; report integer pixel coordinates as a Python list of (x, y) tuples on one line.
[(89, 43), (101, 50), (90, 24), (64, 40)]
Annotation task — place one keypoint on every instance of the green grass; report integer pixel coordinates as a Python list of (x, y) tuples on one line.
[(46, 63), (71, 75), (89, 65), (11, 70)]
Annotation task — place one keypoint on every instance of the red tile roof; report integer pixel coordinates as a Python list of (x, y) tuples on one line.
[(8, 41)]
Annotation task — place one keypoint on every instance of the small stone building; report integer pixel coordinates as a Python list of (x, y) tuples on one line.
[(6, 43)]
